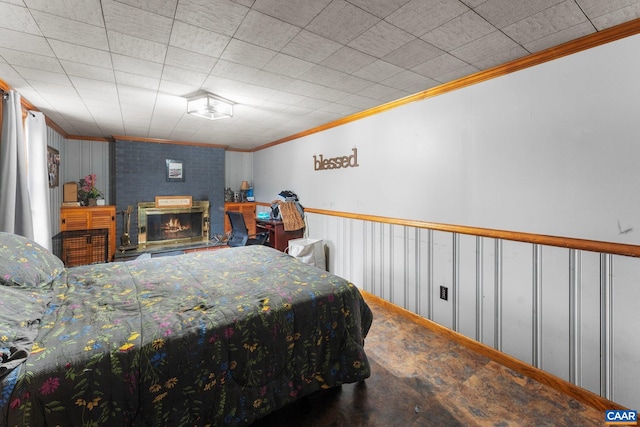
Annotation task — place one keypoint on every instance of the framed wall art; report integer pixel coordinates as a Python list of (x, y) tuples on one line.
[(53, 166), (175, 170)]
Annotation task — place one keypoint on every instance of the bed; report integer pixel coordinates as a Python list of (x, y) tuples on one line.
[(208, 338)]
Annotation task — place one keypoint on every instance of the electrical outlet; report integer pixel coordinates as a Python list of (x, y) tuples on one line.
[(444, 293)]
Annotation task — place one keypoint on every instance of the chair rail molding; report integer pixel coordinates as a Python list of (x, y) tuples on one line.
[(559, 305)]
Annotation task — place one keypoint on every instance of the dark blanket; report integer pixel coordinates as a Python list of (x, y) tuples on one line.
[(222, 337)]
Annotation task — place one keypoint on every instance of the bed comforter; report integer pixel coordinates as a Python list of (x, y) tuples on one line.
[(209, 338)]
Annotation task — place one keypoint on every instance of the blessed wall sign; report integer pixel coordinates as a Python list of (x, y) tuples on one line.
[(320, 163)]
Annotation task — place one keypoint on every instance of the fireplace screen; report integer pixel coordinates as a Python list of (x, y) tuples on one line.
[(172, 226)]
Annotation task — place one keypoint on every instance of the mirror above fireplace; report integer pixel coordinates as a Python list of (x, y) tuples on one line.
[(172, 226)]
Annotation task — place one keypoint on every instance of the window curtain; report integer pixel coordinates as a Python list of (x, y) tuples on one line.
[(36, 137), (24, 204)]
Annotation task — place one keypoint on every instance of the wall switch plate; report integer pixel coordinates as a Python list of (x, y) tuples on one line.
[(444, 293)]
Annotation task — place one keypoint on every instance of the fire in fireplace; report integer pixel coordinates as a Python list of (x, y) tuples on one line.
[(172, 226)]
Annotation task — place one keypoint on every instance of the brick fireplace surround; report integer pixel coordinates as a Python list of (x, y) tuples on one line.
[(140, 176)]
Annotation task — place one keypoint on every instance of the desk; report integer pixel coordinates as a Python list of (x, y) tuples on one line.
[(278, 238)]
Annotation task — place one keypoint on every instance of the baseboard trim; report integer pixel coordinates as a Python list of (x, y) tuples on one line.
[(580, 394)]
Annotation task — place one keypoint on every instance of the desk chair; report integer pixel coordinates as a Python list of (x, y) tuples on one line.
[(240, 235)]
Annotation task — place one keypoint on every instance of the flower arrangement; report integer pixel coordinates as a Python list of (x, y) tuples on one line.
[(88, 188)]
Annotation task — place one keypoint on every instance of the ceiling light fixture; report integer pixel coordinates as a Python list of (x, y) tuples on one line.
[(209, 106)]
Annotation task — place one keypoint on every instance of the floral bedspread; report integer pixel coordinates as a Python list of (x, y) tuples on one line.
[(208, 338)]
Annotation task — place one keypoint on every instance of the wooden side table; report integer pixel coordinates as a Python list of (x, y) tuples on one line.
[(278, 238), (78, 218)]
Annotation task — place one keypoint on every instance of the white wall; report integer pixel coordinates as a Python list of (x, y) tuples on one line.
[(551, 149), (238, 168)]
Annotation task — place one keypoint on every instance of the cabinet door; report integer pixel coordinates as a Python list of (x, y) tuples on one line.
[(84, 247), (101, 219), (227, 224), (74, 219), (249, 214), (76, 251), (105, 218), (248, 211)]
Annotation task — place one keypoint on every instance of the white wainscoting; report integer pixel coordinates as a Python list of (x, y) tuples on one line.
[(570, 312)]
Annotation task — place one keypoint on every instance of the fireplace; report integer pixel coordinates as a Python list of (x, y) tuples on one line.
[(172, 226)]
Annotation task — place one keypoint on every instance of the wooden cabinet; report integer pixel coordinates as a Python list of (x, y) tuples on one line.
[(278, 238), (248, 210), (81, 243)]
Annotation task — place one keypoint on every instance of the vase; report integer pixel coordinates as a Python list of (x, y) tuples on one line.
[(93, 202)]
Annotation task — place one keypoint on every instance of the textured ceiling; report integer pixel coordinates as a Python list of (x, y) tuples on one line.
[(102, 68)]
